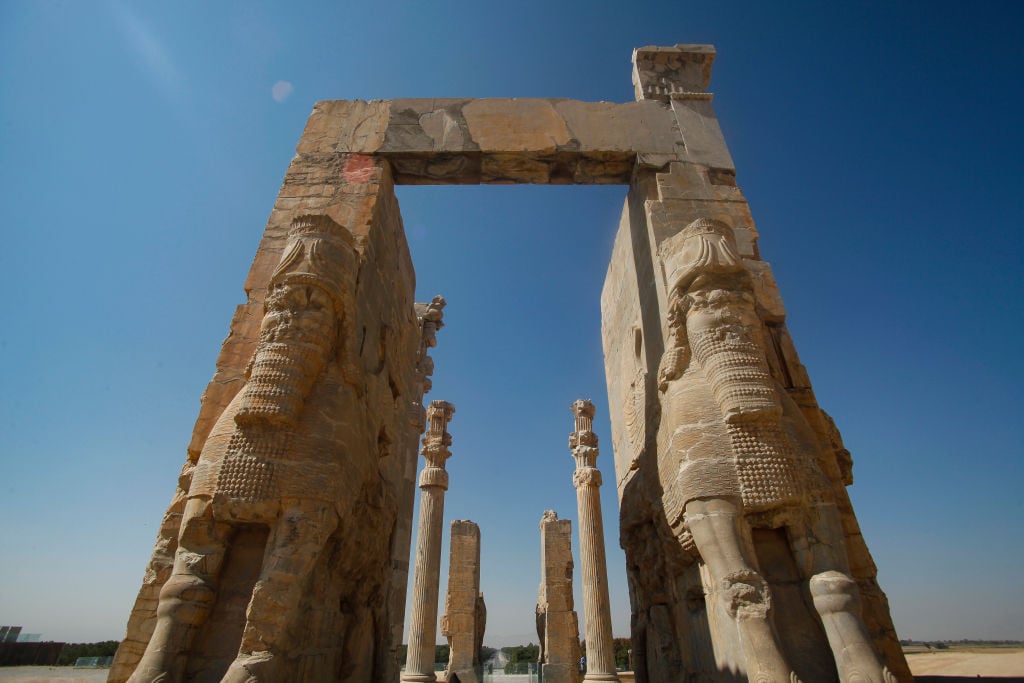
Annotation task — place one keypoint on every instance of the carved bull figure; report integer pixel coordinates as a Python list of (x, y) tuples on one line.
[(735, 454), (287, 454)]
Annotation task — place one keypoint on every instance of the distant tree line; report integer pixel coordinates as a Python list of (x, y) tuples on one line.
[(531, 653), (944, 644), (622, 647), (441, 653), (72, 651)]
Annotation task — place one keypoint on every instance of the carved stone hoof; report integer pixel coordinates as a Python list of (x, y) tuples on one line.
[(767, 677), (144, 677), (148, 673), (859, 676), (257, 667)]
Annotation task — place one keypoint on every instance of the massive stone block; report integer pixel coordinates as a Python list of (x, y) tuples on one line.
[(463, 623), (557, 625), (743, 552), (310, 438)]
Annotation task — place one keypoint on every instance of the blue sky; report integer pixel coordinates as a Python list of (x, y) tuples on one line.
[(142, 145)]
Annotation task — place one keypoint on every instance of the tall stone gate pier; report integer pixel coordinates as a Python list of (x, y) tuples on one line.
[(284, 553)]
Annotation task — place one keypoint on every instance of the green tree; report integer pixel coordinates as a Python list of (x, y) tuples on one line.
[(622, 648), (72, 651)]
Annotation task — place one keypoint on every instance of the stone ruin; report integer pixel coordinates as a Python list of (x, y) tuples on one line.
[(283, 555), (558, 628), (465, 614)]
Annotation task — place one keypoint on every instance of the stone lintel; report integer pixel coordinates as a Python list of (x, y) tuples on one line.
[(448, 141)]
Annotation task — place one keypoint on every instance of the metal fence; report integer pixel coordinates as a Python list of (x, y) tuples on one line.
[(93, 662), (518, 672)]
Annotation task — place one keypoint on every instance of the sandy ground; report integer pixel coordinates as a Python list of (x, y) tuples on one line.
[(987, 662), (978, 662), (51, 674)]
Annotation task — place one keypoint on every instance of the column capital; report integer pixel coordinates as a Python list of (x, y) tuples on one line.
[(434, 476), (437, 440), (583, 441), (583, 410), (430, 317)]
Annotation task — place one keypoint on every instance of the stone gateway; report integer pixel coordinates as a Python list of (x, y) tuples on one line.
[(284, 554)]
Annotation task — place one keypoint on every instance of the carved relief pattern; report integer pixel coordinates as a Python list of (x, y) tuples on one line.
[(247, 478), (587, 476), (634, 411), (660, 73), (278, 381), (431, 319), (738, 371), (765, 464), (437, 440)]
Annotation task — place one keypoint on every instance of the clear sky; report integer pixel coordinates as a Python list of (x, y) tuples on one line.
[(879, 145)]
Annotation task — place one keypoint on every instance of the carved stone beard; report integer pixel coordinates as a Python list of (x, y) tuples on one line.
[(282, 376), (735, 366), (285, 366)]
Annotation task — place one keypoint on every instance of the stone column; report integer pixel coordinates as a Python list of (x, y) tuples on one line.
[(557, 624), (597, 614), (419, 663), (430, 317), (459, 623)]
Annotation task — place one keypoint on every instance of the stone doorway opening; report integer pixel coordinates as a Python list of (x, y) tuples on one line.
[(529, 261)]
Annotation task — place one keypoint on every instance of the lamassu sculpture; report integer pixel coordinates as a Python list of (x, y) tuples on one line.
[(284, 486), (736, 456)]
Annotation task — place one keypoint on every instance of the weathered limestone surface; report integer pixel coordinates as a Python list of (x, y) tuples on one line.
[(468, 141), (419, 663), (597, 615), (462, 624), (375, 357), (744, 555), (743, 552), (557, 624)]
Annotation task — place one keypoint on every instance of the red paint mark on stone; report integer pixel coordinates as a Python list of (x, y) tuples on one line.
[(359, 169)]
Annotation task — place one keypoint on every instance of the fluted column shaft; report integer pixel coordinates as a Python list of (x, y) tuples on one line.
[(419, 663), (597, 614)]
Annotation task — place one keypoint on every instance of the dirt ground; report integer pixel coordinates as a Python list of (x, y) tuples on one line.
[(987, 662), (51, 674)]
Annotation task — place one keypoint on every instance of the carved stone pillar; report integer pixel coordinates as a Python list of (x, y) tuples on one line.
[(597, 614), (419, 664), (459, 623), (557, 624)]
